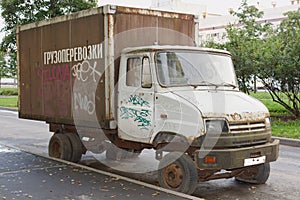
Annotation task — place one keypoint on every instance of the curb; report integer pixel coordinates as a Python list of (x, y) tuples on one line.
[(288, 141)]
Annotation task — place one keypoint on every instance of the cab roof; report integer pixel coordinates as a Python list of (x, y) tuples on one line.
[(129, 50)]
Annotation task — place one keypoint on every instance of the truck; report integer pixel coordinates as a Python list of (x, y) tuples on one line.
[(120, 80)]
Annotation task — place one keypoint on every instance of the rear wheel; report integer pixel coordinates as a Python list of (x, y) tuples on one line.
[(257, 174), (177, 172), (76, 147), (60, 147)]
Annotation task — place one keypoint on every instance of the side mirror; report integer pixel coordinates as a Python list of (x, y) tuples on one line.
[(146, 73)]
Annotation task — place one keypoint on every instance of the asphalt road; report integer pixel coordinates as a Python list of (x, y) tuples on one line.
[(283, 183)]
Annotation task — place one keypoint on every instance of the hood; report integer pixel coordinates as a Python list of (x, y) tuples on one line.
[(232, 105)]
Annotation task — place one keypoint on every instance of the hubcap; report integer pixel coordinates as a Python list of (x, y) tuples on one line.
[(55, 150), (173, 175)]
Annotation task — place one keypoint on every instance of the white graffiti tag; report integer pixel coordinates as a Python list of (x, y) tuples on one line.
[(82, 102), (82, 71)]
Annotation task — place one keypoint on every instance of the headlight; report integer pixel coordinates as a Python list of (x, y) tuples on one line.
[(268, 123), (216, 126)]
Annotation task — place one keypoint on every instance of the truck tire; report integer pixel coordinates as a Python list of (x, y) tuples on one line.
[(60, 147), (256, 175), (76, 147), (177, 172)]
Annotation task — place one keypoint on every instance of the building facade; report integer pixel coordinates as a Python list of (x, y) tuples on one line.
[(213, 28)]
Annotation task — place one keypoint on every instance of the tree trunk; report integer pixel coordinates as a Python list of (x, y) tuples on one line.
[(254, 85)]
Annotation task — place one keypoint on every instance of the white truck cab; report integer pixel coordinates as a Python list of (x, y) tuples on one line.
[(186, 99), (187, 91)]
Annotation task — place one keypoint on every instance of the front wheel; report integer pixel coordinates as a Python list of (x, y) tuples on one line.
[(177, 172), (257, 174)]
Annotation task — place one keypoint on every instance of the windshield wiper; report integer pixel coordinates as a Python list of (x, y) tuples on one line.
[(202, 83)]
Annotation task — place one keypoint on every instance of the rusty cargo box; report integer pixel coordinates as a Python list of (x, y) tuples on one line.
[(59, 58)]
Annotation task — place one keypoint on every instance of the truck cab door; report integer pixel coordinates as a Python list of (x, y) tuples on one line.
[(135, 99)]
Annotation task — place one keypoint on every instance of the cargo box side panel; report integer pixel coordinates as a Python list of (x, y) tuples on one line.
[(136, 27), (25, 48), (88, 75), (55, 72), (176, 32), (61, 71)]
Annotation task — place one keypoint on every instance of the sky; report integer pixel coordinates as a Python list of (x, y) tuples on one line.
[(211, 6), (222, 6)]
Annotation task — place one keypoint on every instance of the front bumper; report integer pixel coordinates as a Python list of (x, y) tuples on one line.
[(234, 158)]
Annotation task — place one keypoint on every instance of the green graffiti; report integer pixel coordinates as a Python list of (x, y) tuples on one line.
[(139, 116), (137, 100)]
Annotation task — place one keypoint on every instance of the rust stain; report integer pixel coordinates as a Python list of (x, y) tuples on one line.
[(154, 13), (236, 116)]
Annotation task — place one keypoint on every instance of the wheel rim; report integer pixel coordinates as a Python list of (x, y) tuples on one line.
[(173, 175), (55, 150)]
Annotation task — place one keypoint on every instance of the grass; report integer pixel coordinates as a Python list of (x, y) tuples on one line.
[(9, 102), (282, 126), (288, 129), (8, 91), (275, 109)]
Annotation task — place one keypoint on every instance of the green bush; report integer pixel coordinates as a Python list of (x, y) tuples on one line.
[(8, 91)]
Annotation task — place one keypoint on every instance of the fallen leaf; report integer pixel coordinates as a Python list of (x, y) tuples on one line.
[(78, 182), (155, 194)]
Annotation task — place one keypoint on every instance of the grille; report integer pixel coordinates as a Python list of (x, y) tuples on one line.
[(247, 127)]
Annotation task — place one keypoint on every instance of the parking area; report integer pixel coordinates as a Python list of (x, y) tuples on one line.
[(27, 176)]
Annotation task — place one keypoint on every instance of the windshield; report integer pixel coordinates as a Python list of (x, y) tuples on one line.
[(182, 68)]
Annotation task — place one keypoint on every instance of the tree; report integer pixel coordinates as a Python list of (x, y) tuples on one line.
[(270, 54), (281, 64), (3, 67), (244, 41), (19, 12)]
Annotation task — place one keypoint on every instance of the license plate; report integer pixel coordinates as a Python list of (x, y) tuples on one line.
[(254, 161)]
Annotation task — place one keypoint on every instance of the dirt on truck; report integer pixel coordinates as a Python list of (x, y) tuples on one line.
[(121, 80)]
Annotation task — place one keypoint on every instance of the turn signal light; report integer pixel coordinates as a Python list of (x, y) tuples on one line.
[(210, 160)]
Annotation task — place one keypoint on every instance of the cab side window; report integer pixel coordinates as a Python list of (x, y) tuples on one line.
[(146, 73), (134, 72)]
